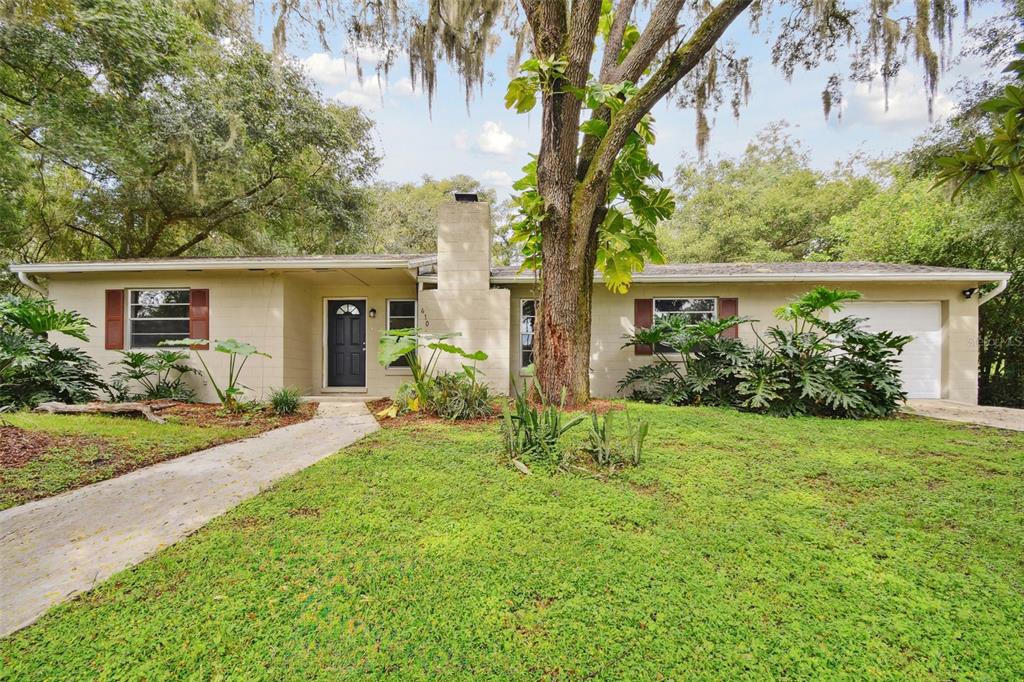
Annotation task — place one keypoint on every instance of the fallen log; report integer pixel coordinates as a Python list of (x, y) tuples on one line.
[(140, 409)]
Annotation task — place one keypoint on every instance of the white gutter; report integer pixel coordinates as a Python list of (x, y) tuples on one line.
[(24, 279), (1000, 288), (178, 265)]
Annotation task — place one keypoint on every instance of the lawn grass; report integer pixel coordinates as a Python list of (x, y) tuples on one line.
[(743, 547), (90, 448)]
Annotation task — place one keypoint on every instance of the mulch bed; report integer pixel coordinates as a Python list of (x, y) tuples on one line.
[(375, 406), (212, 414), (18, 447)]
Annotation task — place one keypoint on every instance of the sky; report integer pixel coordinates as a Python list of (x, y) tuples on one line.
[(490, 143)]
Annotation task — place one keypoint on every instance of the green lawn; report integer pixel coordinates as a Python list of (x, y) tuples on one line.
[(90, 448), (744, 546)]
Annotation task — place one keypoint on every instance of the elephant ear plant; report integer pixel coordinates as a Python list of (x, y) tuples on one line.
[(407, 343), (238, 353)]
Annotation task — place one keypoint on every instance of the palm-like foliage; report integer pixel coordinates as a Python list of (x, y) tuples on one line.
[(814, 366), (160, 374), (33, 369), (40, 317)]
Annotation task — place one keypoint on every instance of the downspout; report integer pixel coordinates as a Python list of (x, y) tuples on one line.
[(984, 298), (24, 279)]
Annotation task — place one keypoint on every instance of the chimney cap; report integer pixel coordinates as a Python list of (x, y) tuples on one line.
[(466, 197)]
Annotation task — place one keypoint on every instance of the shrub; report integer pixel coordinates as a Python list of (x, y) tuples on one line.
[(605, 451), (35, 370), (457, 395), (160, 375), (533, 433), (452, 395), (829, 368), (285, 401)]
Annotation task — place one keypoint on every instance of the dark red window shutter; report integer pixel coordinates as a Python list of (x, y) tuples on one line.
[(727, 307), (643, 317), (113, 320), (199, 316)]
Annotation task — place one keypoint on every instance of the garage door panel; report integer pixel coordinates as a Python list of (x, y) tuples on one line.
[(921, 360)]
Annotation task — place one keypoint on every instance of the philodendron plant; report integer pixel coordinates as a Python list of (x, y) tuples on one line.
[(398, 343), (238, 353)]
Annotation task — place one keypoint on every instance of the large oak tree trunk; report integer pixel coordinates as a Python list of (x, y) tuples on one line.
[(562, 342), (573, 181)]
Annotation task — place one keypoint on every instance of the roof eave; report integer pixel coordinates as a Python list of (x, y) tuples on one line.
[(792, 277), (211, 264)]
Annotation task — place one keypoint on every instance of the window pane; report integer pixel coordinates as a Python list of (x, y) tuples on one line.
[(528, 308), (167, 310), (684, 305), (151, 297), (157, 315), (401, 323), (160, 327), (402, 309)]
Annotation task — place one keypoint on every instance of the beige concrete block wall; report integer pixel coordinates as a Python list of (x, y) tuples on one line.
[(482, 318), (613, 319), (243, 305), (464, 246), (379, 381), (299, 323)]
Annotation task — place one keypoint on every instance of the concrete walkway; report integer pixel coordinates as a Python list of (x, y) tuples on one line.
[(53, 549), (999, 417)]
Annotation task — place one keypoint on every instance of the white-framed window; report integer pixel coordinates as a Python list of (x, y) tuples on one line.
[(156, 315), (694, 309), (527, 320), (401, 315), (691, 309)]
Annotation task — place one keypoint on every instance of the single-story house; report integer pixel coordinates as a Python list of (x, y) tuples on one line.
[(320, 317)]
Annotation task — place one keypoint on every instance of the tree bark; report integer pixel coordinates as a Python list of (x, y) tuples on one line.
[(574, 182)]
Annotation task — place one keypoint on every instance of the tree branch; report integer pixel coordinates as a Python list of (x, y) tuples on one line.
[(613, 44), (590, 192), (660, 28)]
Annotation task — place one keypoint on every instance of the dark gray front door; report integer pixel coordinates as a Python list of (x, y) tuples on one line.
[(346, 343)]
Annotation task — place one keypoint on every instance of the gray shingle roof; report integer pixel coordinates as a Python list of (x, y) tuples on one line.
[(849, 270)]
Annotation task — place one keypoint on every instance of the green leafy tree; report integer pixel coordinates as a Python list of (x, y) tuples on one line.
[(145, 128), (1000, 153), (911, 223), (403, 216), (768, 205)]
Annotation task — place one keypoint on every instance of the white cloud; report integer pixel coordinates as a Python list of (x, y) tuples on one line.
[(498, 179), (403, 86), (908, 103), (492, 139), (328, 70)]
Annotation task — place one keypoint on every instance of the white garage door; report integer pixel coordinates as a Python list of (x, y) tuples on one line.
[(922, 357)]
